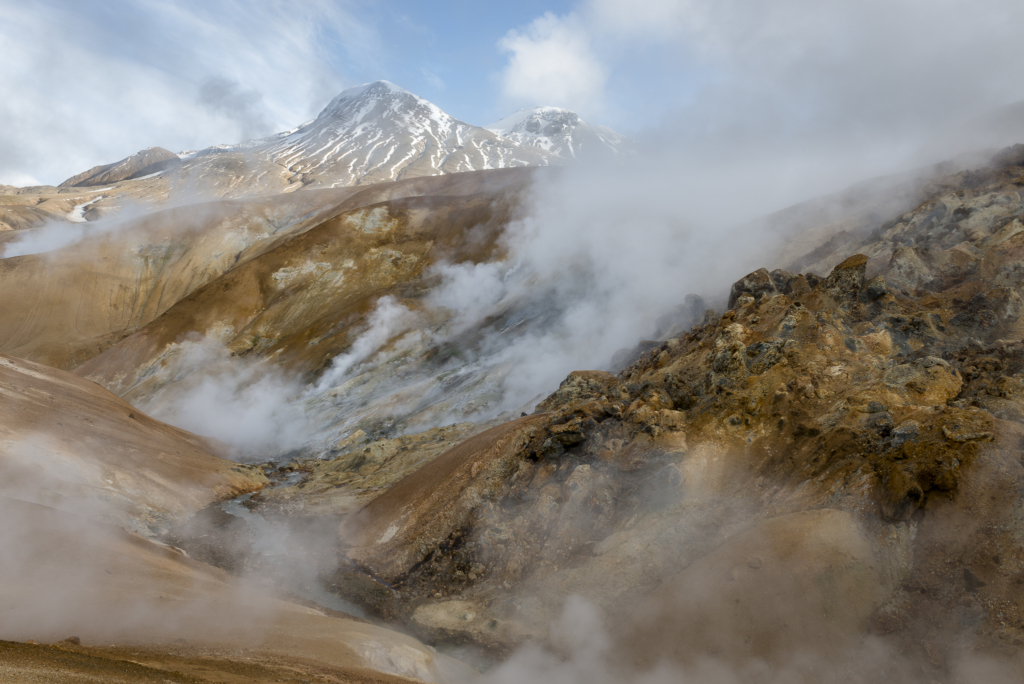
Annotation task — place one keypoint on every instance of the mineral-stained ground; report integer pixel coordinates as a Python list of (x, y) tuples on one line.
[(834, 461), (828, 474)]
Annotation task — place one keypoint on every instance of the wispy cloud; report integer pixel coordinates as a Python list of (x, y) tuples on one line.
[(863, 65), (132, 74), (433, 79)]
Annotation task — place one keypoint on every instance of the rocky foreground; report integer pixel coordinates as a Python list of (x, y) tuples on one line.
[(822, 483), (829, 472)]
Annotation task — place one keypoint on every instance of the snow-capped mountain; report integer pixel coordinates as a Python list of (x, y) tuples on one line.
[(368, 134), (562, 132), (380, 132)]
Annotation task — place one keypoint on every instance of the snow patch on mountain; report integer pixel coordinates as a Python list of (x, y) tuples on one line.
[(562, 132), (380, 132)]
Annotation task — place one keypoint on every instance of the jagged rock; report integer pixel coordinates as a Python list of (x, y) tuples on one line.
[(680, 319), (755, 284), (907, 271), (581, 386), (1009, 157), (847, 279), (626, 357), (928, 381), (876, 287)]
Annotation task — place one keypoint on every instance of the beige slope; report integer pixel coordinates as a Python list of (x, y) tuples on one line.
[(66, 306), (137, 607), (424, 507), (305, 300), (67, 442), (23, 211), (141, 163)]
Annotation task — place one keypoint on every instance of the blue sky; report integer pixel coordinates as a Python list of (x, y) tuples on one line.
[(96, 81), (451, 56), (87, 82), (451, 53)]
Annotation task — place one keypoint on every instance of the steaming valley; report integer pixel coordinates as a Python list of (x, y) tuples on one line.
[(392, 397)]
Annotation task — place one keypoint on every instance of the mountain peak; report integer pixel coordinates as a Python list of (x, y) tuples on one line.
[(376, 132), (379, 131), (532, 115), (378, 99), (560, 131), (374, 88)]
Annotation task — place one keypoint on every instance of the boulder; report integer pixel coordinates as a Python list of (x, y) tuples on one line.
[(846, 281), (756, 284)]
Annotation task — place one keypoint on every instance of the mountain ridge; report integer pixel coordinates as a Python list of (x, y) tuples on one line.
[(375, 132), (562, 132)]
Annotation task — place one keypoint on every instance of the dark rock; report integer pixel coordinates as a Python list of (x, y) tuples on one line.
[(807, 429), (1007, 157), (905, 431), (876, 287), (847, 279), (763, 355), (626, 357), (709, 318), (730, 359), (755, 284), (972, 582), (782, 280)]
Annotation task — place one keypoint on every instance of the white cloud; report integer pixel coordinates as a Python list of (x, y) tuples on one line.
[(651, 18), (90, 83), (551, 62), (17, 178), (828, 67)]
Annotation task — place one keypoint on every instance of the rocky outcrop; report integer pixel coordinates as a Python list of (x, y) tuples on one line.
[(849, 443), (832, 461)]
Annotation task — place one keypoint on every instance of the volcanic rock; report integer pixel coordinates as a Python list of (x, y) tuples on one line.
[(850, 442)]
